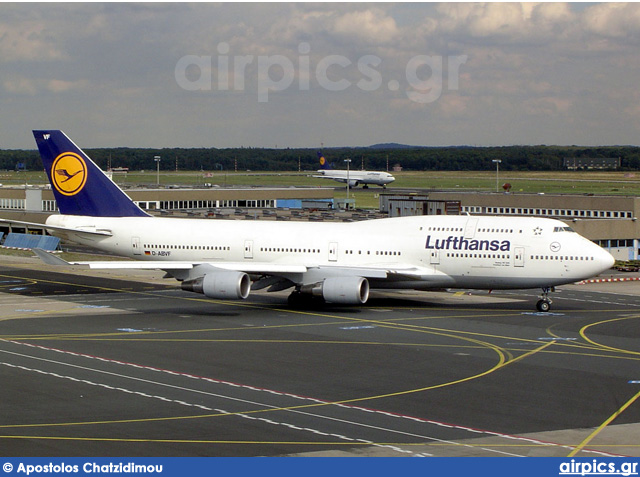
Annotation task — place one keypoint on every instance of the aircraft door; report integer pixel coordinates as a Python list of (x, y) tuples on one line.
[(135, 245), (333, 251), (435, 257), (518, 257), (248, 249), (470, 228)]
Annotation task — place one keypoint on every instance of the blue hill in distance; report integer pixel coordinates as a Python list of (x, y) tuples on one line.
[(395, 145)]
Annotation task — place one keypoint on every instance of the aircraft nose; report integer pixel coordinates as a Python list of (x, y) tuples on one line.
[(606, 259)]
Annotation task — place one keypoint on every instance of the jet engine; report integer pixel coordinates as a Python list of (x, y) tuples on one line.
[(224, 285), (344, 290)]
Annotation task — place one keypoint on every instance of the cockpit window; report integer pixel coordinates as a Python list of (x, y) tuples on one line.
[(563, 229)]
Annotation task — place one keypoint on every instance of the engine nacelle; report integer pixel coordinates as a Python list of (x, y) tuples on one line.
[(223, 285), (346, 290)]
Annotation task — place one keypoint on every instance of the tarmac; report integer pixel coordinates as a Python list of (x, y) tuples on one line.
[(114, 363)]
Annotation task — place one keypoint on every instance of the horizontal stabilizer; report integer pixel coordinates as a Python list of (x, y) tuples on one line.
[(101, 232)]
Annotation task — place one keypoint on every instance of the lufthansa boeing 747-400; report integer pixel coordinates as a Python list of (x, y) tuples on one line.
[(338, 262)]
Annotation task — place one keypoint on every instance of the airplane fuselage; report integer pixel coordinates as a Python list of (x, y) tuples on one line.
[(356, 177), (436, 251)]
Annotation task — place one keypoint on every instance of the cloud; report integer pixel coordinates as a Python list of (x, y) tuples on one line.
[(27, 41), (529, 67), (20, 86), (454, 105), (369, 26), (504, 21), (547, 106), (62, 86), (616, 20), (32, 87)]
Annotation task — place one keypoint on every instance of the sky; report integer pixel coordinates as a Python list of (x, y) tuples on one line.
[(320, 74)]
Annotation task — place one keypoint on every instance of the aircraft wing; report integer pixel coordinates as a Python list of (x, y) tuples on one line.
[(311, 273), (267, 269), (253, 267)]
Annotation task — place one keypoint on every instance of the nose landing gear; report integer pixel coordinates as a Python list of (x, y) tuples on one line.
[(544, 304)]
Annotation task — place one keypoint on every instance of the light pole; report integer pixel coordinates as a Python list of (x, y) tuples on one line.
[(157, 159), (497, 161), (346, 204)]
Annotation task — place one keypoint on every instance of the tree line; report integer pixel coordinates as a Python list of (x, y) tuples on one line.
[(514, 158)]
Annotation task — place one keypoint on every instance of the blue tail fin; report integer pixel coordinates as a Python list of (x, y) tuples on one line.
[(78, 184), (323, 162)]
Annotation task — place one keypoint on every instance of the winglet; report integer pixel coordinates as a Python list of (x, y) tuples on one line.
[(49, 258), (79, 185)]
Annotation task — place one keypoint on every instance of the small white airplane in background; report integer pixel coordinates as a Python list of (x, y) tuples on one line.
[(354, 177), (338, 262)]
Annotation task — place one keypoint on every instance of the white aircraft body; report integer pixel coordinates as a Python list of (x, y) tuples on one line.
[(353, 177), (339, 262)]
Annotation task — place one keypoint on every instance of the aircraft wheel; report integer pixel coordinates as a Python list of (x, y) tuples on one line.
[(303, 300), (543, 306), (295, 299)]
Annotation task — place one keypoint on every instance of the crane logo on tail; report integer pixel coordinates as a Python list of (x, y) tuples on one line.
[(69, 173)]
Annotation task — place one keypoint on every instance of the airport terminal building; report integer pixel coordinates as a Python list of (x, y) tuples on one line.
[(41, 199)]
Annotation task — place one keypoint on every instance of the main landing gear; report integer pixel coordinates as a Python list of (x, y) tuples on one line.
[(300, 300), (544, 303)]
